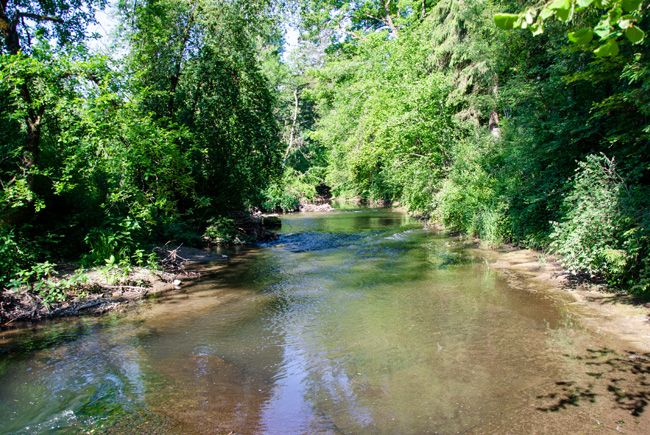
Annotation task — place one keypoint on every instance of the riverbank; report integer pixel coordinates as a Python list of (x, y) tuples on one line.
[(68, 290), (602, 310), (102, 290)]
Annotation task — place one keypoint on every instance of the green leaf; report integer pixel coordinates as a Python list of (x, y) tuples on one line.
[(634, 34), (582, 36), (564, 14), (624, 23), (608, 49), (584, 3), (560, 5), (631, 5), (537, 28), (603, 29), (546, 13), (563, 9), (530, 17), (505, 21)]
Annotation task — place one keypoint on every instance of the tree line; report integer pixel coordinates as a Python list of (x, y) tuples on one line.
[(102, 155), (516, 122), (513, 121)]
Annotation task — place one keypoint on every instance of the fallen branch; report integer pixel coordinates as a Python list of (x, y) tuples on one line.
[(128, 287)]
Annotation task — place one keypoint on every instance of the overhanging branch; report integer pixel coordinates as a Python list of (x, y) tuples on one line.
[(39, 17)]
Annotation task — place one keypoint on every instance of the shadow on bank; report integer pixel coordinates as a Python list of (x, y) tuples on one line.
[(620, 378)]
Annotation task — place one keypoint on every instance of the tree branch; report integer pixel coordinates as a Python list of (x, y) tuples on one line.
[(389, 19), (354, 35), (39, 17)]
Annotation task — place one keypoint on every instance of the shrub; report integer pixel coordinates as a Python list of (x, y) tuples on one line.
[(221, 230), (278, 198), (467, 201), (13, 255), (600, 233), (118, 243), (286, 194)]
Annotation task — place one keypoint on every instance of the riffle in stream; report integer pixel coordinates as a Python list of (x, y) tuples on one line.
[(352, 322)]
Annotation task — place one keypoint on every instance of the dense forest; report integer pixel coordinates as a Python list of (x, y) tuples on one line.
[(512, 121)]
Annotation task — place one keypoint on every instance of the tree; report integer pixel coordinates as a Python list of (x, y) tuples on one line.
[(28, 27), (195, 63)]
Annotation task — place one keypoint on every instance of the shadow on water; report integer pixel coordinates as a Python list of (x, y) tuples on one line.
[(619, 377)]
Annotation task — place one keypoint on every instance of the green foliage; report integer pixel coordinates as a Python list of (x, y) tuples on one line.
[(423, 102), (619, 19), (115, 244), (286, 194), (279, 197), (599, 234), (483, 130), (384, 120), (13, 255), (467, 201), (221, 230), (206, 87), (100, 157), (41, 279)]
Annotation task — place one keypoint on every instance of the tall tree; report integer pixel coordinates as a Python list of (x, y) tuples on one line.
[(28, 28)]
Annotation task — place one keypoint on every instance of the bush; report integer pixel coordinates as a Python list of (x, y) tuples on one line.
[(119, 243), (14, 257), (467, 201), (222, 231), (278, 198), (286, 194), (600, 233)]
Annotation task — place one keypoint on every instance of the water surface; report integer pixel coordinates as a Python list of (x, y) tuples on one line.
[(352, 322)]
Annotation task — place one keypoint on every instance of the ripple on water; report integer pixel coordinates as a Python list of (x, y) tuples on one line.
[(353, 322)]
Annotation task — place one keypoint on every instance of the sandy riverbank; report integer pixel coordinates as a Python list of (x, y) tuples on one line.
[(605, 312)]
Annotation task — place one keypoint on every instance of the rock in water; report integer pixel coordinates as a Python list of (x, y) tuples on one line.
[(316, 207), (271, 221)]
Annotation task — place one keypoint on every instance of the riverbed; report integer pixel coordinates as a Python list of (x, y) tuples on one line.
[(356, 321)]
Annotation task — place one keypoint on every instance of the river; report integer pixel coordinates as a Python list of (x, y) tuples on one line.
[(354, 321)]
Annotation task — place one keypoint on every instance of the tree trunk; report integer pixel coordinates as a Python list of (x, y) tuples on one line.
[(175, 78), (9, 28), (389, 19), (294, 120)]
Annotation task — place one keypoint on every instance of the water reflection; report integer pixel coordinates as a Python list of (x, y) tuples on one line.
[(351, 322)]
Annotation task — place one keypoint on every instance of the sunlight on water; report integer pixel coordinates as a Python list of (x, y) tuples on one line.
[(351, 322)]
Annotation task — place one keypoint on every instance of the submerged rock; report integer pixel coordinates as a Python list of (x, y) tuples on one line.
[(271, 221)]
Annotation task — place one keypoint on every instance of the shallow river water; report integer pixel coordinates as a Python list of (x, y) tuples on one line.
[(352, 322)]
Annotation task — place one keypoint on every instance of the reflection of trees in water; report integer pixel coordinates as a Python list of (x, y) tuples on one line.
[(621, 378), (71, 376)]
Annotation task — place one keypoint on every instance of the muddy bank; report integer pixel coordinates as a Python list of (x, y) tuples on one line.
[(603, 311)]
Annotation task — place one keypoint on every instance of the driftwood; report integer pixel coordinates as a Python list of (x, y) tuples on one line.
[(170, 260), (126, 287)]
